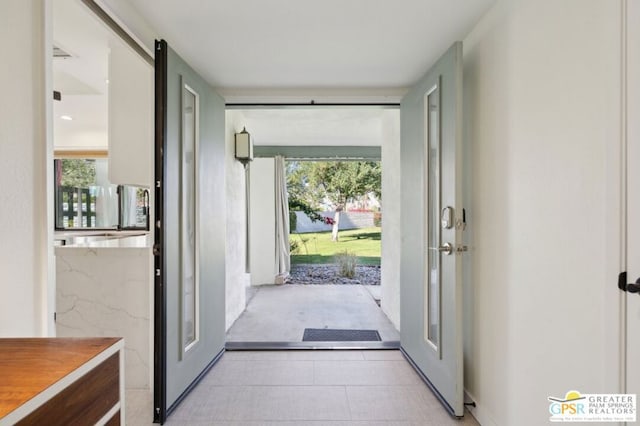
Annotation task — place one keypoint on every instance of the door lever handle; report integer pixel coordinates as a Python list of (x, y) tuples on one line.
[(634, 287), (446, 248)]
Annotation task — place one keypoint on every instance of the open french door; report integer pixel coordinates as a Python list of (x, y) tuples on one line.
[(433, 221), (189, 230)]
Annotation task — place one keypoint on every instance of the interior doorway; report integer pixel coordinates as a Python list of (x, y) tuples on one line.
[(337, 140)]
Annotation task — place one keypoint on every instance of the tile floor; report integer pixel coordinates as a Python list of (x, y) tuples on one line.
[(320, 388), (281, 313)]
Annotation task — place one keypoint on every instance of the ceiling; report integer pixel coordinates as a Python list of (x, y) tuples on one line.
[(302, 44), (317, 126), (365, 48), (82, 78)]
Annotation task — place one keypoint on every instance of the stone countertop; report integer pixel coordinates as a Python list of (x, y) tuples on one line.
[(92, 239)]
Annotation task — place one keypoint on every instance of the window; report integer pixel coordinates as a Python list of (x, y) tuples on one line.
[(85, 199)]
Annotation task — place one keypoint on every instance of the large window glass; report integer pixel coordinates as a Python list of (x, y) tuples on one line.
[(85, 199)]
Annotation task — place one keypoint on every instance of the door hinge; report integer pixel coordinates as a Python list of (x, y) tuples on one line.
[(55, 316)]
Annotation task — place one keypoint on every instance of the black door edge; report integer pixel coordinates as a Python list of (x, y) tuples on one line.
[(159, 298)]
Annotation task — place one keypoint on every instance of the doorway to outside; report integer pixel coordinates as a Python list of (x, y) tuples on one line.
[(338, 289)]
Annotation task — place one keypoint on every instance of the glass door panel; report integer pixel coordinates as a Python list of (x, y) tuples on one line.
[(432, 131)]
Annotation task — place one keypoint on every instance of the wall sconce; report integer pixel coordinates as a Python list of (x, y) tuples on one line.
[(244, 147)]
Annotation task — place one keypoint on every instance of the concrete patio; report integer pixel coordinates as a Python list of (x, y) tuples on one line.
[(281, 313)]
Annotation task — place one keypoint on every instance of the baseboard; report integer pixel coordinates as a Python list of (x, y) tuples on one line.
[(478, 412)]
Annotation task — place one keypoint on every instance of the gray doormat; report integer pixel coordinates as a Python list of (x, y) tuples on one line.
[(333, 335)]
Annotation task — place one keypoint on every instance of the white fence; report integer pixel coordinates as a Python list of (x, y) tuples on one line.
[(348, 220)]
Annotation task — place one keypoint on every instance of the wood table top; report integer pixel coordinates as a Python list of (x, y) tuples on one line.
[(28, 366)]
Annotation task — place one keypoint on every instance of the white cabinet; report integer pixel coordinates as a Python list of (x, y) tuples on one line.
[(130, 117)]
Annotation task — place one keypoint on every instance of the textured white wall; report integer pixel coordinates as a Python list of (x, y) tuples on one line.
[(542, 96), (237, 280), (390, 279), (263, 221), (26, 252)]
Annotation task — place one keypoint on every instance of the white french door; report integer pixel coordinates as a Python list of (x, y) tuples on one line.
[(432, 228)]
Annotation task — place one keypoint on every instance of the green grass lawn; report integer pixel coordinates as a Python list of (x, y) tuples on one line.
[(317, 247)]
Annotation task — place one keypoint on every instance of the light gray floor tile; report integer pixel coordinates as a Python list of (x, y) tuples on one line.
[(138, 407), (404, 403), (296, 423), (260, 372), (264, 403), (269, 397), (362, 373), (394, 355), (298, 355)]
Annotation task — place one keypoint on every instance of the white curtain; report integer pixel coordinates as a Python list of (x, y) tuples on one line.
[(282, 222)]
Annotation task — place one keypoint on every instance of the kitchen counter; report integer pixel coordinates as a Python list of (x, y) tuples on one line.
[(104, 288), (60, 380), (102, 239)]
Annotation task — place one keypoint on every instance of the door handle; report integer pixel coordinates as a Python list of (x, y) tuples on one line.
[(634, 287), (446, 248)]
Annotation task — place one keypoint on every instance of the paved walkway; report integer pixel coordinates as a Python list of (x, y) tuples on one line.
[(281, 313)]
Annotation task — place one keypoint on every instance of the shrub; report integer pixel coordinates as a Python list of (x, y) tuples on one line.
[(293, 221), (377, 219), (294, 247), (346, 264)]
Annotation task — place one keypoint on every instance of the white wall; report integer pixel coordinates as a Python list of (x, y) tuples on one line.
[(542, 95), (263, 221), (131, 117), (237, 280), (26, 252), (390, 267)]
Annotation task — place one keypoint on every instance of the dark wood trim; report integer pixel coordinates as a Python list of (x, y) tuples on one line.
[(115, 420), (116, 28), (29, 366), (80, 153), (160, 297), (89, 398)]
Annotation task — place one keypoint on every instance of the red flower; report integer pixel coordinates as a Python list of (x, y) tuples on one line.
[(329, 221)]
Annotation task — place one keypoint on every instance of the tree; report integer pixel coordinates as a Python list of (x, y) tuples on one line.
[(299, 200), (78, 173), (336, 181), (341, 181)]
